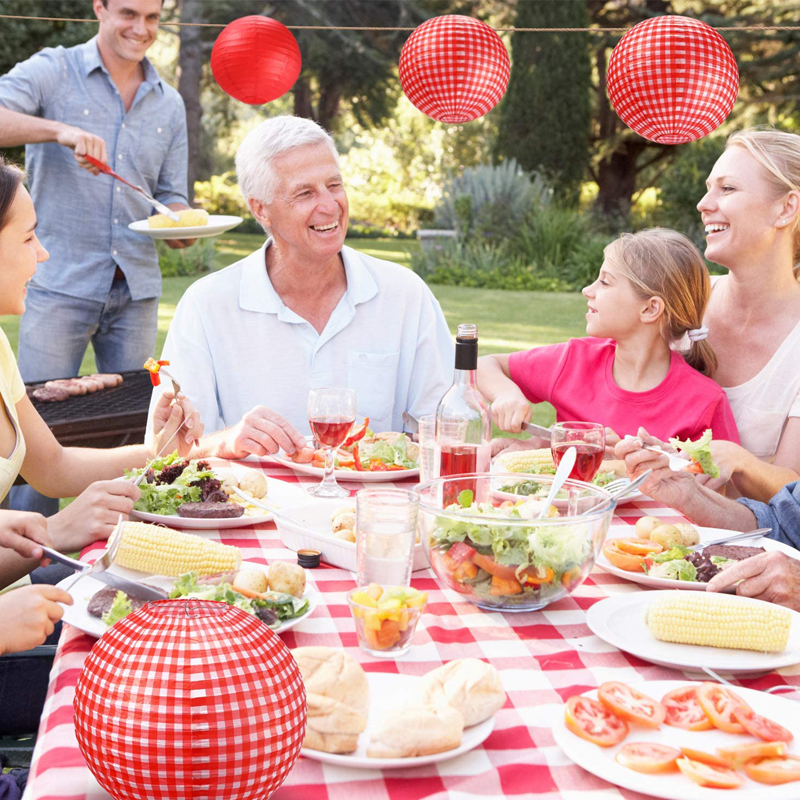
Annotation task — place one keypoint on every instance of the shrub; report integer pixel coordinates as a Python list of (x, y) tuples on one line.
[(194, 260), (220, 195)]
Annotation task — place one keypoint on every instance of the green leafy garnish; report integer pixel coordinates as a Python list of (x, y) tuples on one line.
[(120, 608), (465, 498), (699, 451)]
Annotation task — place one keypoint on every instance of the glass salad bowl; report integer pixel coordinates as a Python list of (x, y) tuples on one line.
[(487, 543)]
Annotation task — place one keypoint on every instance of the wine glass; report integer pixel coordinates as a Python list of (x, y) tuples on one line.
[(331, 414), (588, 438)]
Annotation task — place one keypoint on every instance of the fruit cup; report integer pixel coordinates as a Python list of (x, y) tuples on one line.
[(386, 617)]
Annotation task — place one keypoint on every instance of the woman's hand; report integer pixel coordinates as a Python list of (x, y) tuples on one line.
[(510, 410), (28, 615), (612, 440), (169, 433), (93, 515), (23, 532)]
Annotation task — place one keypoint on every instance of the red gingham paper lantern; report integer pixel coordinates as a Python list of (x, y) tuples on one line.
[(454, 68), (190, 700), (256, 59), (672, 79)]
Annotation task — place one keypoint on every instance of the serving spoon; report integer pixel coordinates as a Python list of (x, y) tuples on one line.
[(562, 473)]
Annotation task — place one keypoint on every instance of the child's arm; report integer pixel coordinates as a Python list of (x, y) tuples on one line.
[(510, 407), (29, 615)]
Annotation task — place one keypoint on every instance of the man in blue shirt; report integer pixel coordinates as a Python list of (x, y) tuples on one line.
[(103, 98)]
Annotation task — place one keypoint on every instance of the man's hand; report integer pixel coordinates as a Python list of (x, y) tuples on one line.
[(29, 616), (771, 576), (168, 417), (510, 410), (509, 445), (178, 244), (23, 532), (261, 432), (93, 515), (83, 144)]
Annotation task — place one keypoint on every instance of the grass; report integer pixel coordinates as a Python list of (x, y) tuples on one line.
[(507, 321)]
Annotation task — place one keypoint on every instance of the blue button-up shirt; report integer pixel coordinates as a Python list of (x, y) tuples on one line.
[(782, 514), (83, 218)]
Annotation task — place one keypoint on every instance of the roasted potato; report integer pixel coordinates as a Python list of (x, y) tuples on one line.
[(288, 578), (253, 580), (646, 525), (346, 534), (229, 483), (345, 520), (690, 534), (668, 536), (254, 484)]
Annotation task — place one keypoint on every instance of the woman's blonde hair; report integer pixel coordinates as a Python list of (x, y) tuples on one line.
[(779, 153), (663, 263)]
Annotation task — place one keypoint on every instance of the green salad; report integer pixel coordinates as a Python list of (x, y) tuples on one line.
[(509, 563), (681, 564), (536, 489), (397, 452), (173, 481)]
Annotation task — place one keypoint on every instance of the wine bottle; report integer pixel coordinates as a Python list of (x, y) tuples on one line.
[(463, 420)]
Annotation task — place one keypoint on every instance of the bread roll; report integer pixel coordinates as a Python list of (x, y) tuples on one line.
[(471, 686), (338, 698), (416, 730), (288, 578)]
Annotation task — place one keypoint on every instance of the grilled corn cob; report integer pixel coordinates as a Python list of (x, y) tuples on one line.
[(530, 461), (720, 621), (163, 551)]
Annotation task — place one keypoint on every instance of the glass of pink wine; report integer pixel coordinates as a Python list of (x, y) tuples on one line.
[(331, 414), (588, 438)]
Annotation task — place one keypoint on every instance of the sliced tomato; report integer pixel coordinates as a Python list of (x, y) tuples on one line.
[(705, 758), (648, 757), (719, 704), (621, 559), (639, 547), (741, 753), (709, 774), (461, 551), (683, 710), (774, 770), (594, 722), (487, 563), (631, 705), (694, 466), (762, 727), (572, 577), (356, 433)]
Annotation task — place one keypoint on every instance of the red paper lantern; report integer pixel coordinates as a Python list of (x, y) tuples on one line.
[(190, 699), (672, 79), (454, 68), (256, 59)]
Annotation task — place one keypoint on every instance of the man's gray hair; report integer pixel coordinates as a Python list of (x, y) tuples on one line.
[(264, 143)]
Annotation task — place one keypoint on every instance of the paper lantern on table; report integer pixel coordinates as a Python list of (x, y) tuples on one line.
[(190, 699), (672, 79), (454, 68), (256, 59)]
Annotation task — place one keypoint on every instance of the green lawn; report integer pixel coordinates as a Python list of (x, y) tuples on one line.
[(506, 321)]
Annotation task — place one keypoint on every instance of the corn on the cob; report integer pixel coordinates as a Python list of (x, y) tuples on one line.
[(720, 621), (529, 461), (188, 218), (163, 551)]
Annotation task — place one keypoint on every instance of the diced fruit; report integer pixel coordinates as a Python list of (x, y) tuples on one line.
[(375, 591), (417, 600), (363, 599)]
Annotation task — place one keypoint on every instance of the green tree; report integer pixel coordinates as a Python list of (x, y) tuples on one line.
[(546, 113)]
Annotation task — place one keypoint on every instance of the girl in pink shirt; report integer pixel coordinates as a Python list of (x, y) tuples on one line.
[(628, 373)]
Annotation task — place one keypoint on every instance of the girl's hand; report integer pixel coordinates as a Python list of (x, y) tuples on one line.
[(93, 515), (23, 532), (29, 615), (501, 445), (612, 439), (168, 435), (510, 410)]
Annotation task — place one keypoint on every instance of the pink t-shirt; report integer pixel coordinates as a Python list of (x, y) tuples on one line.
[(577, 378)]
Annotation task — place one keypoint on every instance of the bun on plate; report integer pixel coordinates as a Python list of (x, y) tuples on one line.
[(416, 730), (338, 698), (471, 686)]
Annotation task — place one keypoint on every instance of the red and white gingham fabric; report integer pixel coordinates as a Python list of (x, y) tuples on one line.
[(672, 79), (544, 657), (454, 68), (219, 681)]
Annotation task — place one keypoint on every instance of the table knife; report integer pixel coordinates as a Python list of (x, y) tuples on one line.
[(538, 430)]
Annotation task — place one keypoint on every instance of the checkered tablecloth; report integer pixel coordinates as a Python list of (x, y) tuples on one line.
[(544, 656)]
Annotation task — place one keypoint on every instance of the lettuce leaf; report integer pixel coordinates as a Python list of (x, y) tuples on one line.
[(120, 608), (700, 451), (677, 570)]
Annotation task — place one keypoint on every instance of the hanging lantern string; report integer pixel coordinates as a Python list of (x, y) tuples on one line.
[(760, 28)]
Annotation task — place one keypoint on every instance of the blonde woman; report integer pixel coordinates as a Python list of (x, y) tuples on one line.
[(751, 214), (649, 298)]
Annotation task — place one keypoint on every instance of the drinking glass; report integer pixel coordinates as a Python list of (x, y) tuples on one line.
[(331, 414), (428, 462), (588, 438), (386, 530)]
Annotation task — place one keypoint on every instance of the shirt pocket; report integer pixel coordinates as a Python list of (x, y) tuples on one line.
[(374, 378), (760, 430)]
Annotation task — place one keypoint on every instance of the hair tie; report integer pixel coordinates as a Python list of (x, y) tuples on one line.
[(697, 334)]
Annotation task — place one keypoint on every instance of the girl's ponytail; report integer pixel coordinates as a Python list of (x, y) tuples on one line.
[(702, 357)]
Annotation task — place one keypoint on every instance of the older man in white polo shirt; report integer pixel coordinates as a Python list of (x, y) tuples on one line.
[(303, 311)]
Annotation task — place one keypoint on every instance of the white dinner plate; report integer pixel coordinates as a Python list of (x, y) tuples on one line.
[(280, 494), (217, 223), (706, 535), (85, 589), (344, 475), (620, 621), (387, 691), (600, 761)]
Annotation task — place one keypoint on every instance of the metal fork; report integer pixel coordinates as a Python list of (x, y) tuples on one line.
[(176, 387)]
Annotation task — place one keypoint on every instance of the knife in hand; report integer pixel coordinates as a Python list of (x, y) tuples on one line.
[(538, 430)]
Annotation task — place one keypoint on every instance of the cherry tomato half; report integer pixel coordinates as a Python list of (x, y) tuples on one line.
[(774, 770), (709, 775), (719, 704), (631, 705), (592, 721), (622, 560), (648, 757), (683, 710), (762, 727)]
